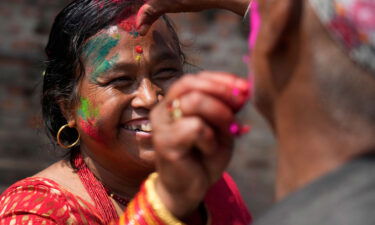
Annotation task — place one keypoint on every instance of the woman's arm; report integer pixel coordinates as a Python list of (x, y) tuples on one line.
[(153, 9)]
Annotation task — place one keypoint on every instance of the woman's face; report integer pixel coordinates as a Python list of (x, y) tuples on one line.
[(125, 76)]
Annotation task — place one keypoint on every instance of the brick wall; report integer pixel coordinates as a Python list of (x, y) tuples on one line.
[(213, 40)]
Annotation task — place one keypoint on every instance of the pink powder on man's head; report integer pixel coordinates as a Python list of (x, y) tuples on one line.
[(128, 24), (255, 22)]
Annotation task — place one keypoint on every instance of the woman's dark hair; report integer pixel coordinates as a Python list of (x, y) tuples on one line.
[(76, 23)]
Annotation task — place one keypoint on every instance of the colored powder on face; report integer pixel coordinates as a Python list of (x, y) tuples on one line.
[(126, 25), (134, 33), (104, 67), (138, 58), (89, 115), (129, 25), (91, 130), (87, 111), (97, 50), (139, 49)]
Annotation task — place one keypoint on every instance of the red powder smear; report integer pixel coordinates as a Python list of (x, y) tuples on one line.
[(245, 129), (100, 4), (125, 25), (128, 24), (116, 1), (139, 49), (90, 130)]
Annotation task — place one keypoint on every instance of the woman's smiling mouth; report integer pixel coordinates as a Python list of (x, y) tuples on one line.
[(138, 126)]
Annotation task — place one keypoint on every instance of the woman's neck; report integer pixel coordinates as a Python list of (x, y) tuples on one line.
[(120, 184)]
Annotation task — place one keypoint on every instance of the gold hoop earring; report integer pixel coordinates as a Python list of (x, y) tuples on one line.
[(59, 139)]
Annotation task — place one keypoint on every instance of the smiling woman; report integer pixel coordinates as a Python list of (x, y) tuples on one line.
[(101, 82)]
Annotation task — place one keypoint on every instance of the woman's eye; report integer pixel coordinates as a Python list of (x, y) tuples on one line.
[(120, 81), (167, 73)]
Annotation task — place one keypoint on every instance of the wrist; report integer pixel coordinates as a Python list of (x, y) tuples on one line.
[(147, 208), (178, 204)]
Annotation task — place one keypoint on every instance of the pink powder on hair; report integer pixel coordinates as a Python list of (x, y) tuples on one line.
[(128, 24)]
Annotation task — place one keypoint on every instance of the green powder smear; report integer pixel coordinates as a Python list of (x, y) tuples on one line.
[(105, 66), (87, 111), (97, 50)]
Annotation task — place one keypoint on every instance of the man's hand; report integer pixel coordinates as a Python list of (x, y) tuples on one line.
[(153, 9), (193, 151)]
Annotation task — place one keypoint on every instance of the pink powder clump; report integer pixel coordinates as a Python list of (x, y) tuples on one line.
[(234, 128), (236, 92), (237, 129), (128, 24)]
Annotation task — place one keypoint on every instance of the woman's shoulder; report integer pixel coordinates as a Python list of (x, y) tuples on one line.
[(225, 203), (43, 198), (28, 188)]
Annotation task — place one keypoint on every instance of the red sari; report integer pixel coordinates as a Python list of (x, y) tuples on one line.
[(42, 201)]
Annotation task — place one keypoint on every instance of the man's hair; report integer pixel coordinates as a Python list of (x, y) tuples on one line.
[(75, 24)]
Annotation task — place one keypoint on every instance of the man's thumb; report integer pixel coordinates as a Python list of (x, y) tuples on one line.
[(146, 16)]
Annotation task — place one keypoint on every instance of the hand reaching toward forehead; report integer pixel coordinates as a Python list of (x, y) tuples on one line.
[(194, 147), (153, 9)]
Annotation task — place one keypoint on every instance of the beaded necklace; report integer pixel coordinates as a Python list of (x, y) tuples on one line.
[(98, 192)]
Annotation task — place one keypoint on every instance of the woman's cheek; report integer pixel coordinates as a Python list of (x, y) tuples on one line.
[(89, 116), (91, 130)]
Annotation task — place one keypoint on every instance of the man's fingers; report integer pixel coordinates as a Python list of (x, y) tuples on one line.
[(210, 109), (146, 16), (188, 132), (226, 92)]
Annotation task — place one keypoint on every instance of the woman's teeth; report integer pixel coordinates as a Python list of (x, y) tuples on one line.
[(140, 127)]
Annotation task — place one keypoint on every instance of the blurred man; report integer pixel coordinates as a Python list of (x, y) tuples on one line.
[(314, 68)]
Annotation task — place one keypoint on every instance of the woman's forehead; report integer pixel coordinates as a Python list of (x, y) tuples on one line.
[(159, 34), (124, 42)]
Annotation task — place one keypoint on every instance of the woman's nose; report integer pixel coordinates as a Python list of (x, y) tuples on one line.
[(147, 95)]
